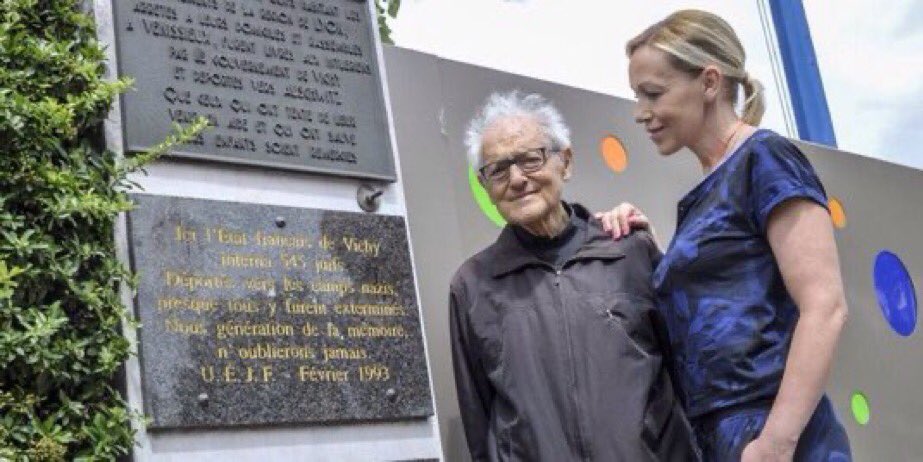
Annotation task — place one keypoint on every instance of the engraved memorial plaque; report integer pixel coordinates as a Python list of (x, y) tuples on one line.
[(255, 314), (293, 84)]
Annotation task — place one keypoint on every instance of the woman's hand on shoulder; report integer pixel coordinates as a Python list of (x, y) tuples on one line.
[(621, 220)]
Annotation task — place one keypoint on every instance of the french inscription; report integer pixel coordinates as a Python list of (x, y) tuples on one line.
[(293, 85), (313, 322)]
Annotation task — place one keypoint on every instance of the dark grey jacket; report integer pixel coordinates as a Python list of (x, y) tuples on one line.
[(564, 364)]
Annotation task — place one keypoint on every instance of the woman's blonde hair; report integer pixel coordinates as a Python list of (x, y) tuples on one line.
[(694, 39)]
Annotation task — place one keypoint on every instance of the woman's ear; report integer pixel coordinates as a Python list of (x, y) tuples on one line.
[(711, 82)]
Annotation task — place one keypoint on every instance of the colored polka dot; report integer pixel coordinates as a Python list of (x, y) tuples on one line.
[(614, 153), (837, 212), (483, 200), (860, 408), (895, 292)]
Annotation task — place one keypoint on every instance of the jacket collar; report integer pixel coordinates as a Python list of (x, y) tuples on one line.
[(507, 254)]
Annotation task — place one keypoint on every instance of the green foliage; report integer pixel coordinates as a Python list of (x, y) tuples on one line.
[(384, 10), (61, 317)]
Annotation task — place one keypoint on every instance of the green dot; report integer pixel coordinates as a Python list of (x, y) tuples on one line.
[(860, 408), (483, 200)]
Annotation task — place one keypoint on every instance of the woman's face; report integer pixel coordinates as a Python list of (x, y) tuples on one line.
[(671, 103)]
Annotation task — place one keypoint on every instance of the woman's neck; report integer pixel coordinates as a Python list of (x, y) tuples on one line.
[(720, 135)]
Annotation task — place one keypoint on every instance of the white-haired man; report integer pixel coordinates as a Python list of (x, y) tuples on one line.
[(555, 340)]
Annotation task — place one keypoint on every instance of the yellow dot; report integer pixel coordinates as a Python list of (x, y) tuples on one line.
[(837, 213), (614, 153)]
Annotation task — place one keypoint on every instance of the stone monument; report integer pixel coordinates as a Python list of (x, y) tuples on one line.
[(255, 314), (260, 319), (293, 84)]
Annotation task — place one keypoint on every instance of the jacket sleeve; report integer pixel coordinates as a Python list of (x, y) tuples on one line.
[(658, 323), (653, 251), (475, 394)]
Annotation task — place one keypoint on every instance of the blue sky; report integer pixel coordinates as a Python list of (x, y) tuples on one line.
[(870, 54), (871, 59)]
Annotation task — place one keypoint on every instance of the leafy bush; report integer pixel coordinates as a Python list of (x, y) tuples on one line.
[(383, 10), (61, 342)]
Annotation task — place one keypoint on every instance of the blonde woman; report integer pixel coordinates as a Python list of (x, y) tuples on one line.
[(750, 285)]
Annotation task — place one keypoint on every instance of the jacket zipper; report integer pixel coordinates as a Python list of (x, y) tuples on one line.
[(578, 433)]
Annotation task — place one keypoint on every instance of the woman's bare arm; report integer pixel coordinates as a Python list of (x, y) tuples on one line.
[(801, 236)]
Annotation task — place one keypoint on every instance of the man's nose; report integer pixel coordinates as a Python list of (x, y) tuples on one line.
[(517, 178)]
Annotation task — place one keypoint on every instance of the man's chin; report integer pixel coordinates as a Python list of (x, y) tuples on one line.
[(522, 218)]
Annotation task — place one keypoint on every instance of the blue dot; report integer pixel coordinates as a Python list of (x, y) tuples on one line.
[(895, 292)]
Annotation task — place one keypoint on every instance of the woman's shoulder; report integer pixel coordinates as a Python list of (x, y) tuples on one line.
[(776, 171), (768, 150), (767, 142), (764, 139)]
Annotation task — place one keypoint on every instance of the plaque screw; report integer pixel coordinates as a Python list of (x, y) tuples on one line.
[(391, 394), (280, 222), (368, 197), (203, 399)]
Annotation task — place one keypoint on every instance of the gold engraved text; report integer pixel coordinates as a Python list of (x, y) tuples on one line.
[(184, 234), (197, 305), (339, 287), (333, 265), (296, 307), (360, 309), (270, 351), (374, 373), (231, 374), (366, 330), (344, 353), (281, 240), (243, 306), (270, 329), (225, 236), (260, 284), (377, 289), (311, 374), (238, 260), (364, 246), (179, 326), (191, 281)]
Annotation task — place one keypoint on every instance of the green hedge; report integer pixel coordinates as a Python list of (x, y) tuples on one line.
[(385, 9), (61, 342)]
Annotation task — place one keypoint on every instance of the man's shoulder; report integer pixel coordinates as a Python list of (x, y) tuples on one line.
[(640, 250), (638, 241), (474, 268)]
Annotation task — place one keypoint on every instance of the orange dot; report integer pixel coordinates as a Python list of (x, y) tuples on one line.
[(837, 213), (614, 153)]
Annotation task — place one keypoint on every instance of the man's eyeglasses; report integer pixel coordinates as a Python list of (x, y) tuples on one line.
[(529, 161)]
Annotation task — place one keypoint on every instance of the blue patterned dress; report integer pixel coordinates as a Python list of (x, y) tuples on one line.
[(729, 315)]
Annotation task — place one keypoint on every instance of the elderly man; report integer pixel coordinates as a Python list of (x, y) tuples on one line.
[(555, 346)]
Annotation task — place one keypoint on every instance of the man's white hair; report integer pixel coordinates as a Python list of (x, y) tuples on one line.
[(513, 104)]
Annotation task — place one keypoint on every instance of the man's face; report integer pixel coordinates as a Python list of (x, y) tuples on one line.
[(524, 199)]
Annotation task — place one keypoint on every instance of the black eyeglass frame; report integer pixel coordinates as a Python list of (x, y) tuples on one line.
[(511, 159)]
